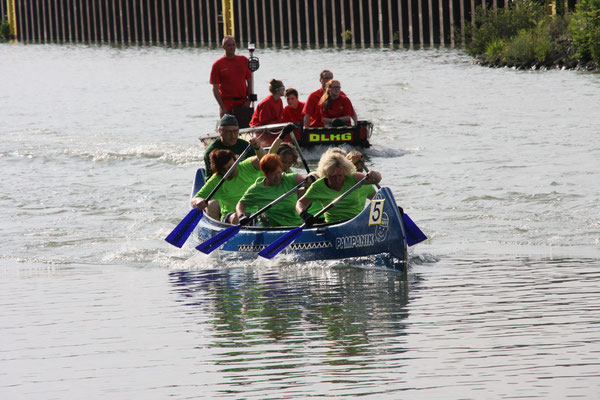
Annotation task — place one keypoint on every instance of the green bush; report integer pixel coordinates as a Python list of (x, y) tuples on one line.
[(347, 36), (504, 24), (495, 49), (524, 34), (529, 47), (584, 30), (4, 30)]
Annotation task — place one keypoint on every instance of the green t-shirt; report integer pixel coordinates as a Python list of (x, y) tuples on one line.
[(282, 213), (347, 208), (365, 191), (232, 190), (238, 148), (314, 207)]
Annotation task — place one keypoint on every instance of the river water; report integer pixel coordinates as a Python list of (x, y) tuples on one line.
[(498, 167)]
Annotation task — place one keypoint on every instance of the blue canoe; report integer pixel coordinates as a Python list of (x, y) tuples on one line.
[(378, 229)]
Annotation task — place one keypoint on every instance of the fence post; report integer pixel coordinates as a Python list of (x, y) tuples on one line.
[(12, 18)]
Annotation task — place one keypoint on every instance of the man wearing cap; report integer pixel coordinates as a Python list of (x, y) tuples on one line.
[(231, 79), (229, 140)]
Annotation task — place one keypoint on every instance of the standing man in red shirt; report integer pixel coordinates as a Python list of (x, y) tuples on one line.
[(231, 79)]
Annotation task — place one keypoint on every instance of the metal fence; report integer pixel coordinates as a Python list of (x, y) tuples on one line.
[(292, 23)]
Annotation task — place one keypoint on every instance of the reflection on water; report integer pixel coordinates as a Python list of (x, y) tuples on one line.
[(288, 324), (462, 327)]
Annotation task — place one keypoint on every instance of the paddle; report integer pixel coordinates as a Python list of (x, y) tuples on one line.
[(183, 230), (214, 242), (274, 248), (414, 235), (298, 148)]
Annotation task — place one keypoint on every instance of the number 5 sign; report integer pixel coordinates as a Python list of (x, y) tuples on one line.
[(376, 213)]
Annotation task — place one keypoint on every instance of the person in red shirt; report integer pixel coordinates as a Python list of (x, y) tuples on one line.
[(231, 79), (293, 111), (336, 108), (312, 111), (270, 109)]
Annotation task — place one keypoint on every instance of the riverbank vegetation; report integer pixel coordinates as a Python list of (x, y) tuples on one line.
[(526, 35), (4, 30)]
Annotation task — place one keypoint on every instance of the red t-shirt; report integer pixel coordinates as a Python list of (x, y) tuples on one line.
[(311, 107), (268, 111), (340, 107), (231, 75), (293, 114)]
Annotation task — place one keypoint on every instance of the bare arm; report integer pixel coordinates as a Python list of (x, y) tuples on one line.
[(217, 94), (306, 120), (199, 203), (346, 118), (287, 130), (260, 152), (373, 177), (248, 91), (240, 209), (302, 204), (275, 145)]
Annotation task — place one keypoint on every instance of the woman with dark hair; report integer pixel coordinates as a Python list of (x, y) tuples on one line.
[(336, 108), (222, 204), (270, 109), (293, 111), (356, 158), (287, 152), (273, 184)]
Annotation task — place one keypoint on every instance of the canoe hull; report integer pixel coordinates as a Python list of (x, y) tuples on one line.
[(378, 229)]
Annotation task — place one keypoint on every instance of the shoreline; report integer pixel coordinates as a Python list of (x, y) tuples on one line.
[(557, 64)]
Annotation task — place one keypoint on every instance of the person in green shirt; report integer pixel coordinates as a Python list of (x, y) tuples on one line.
[(338, 175), (357, 159), (228, 140), (269, 187), (222, 204), (285, 150)]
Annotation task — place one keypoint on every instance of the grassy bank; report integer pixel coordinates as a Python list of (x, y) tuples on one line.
[(4, 30), (525, 35)]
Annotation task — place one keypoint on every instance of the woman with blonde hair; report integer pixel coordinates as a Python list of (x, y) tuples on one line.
[(338, 175), (336, 108)]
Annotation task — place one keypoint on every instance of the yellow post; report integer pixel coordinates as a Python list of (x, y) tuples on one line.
[(12, 17), (228, 19)]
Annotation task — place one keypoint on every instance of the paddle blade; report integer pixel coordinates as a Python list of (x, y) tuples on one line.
[(208, 246), (274, 248), (413, 234), (183, 229)]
